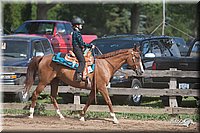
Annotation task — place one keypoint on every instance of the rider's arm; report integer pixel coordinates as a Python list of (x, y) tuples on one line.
[(80, 40)]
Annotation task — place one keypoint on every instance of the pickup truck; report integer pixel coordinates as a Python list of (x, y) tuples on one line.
[(184, 63), (58, 32), (16, 53)]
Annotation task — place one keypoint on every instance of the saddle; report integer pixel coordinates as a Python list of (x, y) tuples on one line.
[(89, 62)]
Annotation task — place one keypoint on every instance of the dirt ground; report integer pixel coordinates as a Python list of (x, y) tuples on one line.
[(13, 123)]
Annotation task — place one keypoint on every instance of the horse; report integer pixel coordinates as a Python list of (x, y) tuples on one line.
[(49, 73)]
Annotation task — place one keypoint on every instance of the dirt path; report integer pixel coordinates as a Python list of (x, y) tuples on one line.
[(53, 123)]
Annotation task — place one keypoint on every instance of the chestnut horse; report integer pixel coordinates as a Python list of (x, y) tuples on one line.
[(106, 65)]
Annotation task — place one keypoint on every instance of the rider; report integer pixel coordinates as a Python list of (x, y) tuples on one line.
[(79, 45)]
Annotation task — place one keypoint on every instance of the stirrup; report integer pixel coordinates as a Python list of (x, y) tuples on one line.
[(79, 77)]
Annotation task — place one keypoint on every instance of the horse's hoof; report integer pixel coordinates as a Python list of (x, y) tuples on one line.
[(31, 117), (82, 119), (115, 121), (62, 118)]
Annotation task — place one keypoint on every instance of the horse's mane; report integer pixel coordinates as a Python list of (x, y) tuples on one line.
[(111, 54)]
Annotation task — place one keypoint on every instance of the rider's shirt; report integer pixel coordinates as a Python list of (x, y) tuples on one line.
[(78, 40)]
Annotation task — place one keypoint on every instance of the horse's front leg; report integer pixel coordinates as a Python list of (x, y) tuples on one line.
[(106, 96), (89, 101), (35, 95), (54, 93)]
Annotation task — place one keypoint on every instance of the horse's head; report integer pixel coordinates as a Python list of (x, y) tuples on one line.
[(134, 61)]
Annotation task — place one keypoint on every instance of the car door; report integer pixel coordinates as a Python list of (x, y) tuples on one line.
[(37, 48), (63, 36), (150, 49)]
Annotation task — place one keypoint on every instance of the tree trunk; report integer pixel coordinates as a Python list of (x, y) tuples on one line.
[(135, 12), (42, 10), (26, 12), (198, 21)]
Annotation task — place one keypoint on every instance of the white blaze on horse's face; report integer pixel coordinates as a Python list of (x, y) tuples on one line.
[(141, 66), (138, 62)]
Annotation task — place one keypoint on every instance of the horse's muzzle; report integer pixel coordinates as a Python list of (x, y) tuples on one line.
[(139, 72)]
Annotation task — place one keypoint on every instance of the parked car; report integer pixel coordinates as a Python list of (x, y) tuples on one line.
[(58, 32), (17, 51), (151, 47)]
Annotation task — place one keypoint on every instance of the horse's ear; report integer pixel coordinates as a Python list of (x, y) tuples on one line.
[(136, 48)]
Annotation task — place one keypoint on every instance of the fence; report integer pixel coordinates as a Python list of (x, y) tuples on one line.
[(172, 92)]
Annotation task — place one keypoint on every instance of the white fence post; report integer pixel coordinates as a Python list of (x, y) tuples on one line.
[(77, 99), (173, 85)]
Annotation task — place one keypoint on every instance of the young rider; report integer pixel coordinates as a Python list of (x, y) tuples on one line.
[(78, 46)]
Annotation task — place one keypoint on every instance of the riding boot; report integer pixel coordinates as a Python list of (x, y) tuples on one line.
[(78, 77)]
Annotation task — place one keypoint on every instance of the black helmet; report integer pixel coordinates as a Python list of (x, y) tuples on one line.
[(77, 20)]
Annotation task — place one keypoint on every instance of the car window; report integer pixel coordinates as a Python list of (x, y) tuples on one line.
[(60, 28), (156, 48), (68, 29), (37, 48), (170, 47), (146, 48), (195, 50), (36, 28), (47, 47), (14, 49)]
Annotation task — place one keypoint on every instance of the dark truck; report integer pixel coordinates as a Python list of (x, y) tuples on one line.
[(16, 53), (190, 62)]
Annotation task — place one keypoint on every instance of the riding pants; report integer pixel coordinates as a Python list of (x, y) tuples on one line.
[(79, 55)]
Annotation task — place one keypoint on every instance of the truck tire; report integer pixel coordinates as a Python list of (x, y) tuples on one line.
[(135, 99), (165, 100), (19, 97), (22, 80)]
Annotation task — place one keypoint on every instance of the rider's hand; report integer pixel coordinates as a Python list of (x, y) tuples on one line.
[(93, 46)]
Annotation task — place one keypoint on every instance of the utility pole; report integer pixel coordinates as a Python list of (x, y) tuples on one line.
[(163, 22)]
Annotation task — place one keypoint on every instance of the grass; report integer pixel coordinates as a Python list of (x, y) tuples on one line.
[(154, 102), (90, 115)]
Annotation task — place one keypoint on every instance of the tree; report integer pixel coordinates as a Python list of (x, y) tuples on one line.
[(135, 13), (42, 10), (198, 21)]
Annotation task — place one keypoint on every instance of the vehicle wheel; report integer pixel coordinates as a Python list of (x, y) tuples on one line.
[(165, 100), (135, 99), (19, 97), (22, 80)]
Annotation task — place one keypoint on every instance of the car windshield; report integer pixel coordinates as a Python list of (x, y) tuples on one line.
[(14, 49), (106, 46), (36, 28)]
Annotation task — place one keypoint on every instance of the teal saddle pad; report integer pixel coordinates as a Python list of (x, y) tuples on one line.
[(58, 58)]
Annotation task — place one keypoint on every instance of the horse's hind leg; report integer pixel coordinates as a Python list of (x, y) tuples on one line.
[(90, 99), (106, 96), (54, 93), (35, 95)]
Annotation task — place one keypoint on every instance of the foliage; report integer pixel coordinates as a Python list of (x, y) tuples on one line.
[(104, 19)]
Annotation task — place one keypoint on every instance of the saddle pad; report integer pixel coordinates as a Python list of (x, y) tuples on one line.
[(59, 59)]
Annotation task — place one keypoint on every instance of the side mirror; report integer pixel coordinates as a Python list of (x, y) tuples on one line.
[(39, 54), (150, 55)]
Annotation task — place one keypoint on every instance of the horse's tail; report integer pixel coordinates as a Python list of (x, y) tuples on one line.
[(31, 74)]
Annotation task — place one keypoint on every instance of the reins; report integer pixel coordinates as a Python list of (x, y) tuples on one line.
[(111, 64)]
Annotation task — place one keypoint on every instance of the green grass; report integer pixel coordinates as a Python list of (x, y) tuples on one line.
[(154, 102), (91, 115)]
